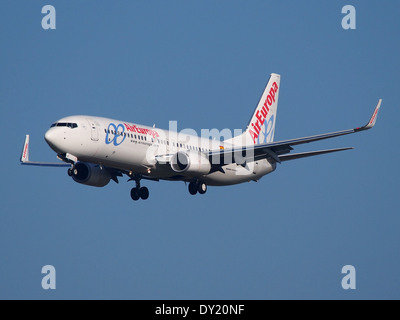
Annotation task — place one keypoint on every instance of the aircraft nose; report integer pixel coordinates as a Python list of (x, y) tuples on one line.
[(51, 138)]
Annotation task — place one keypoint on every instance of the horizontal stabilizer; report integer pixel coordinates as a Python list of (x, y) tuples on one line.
[(294, 156)]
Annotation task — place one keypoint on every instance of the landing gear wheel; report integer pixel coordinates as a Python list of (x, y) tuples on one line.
[(144, 193), (70, 172), (138, 192), (135, 194), (193, 188), (202, 188)]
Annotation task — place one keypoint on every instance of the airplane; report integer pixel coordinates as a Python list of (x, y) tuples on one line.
[(97, 150)]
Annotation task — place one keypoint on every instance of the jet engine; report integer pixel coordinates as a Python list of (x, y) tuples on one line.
[(90, 174), (194, 163)]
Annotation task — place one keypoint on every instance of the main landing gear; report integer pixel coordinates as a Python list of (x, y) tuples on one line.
[(197, 187), (139, 192)]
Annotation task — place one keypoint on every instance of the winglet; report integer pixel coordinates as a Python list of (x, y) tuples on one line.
[(372, 121), (25, 150)]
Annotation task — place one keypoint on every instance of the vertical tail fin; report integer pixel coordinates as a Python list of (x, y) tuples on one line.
[(261, 128)]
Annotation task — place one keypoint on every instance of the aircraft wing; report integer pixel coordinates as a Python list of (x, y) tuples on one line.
[(294, 156), (25, 158), (277, 150)]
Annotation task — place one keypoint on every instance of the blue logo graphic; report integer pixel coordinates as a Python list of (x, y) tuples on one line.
[(118, 136), (267, 132)]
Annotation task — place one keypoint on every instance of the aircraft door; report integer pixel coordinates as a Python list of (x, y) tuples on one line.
[(94, 130)]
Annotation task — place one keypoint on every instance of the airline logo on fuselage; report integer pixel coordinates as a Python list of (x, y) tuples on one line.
[(262, 114), (119, 135), (117, 132), (134, 128)]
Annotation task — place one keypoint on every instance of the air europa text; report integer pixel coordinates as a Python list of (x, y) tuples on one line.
[(263, 112)]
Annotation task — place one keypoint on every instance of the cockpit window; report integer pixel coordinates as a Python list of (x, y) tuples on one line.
[(65, 124)]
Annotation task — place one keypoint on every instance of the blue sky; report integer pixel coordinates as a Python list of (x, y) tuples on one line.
[(204, 64)]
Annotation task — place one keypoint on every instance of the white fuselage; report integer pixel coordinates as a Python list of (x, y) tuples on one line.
[(141, 149)]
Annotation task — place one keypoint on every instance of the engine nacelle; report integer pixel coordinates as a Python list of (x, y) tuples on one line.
[(90, 174), (194, 163)]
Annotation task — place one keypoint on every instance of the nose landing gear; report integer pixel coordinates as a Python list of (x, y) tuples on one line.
[(72, 171)]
